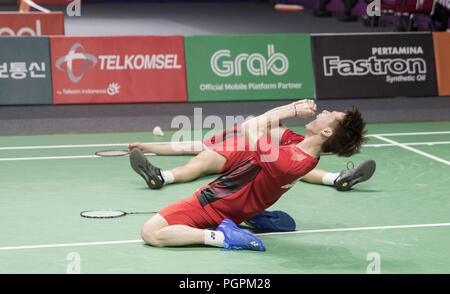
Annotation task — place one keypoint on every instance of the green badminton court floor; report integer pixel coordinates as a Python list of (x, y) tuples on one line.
[(398, 222)]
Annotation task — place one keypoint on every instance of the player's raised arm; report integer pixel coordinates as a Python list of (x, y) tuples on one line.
[(255, 127)]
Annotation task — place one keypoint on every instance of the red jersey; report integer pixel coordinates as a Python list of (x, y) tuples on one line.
[(232, 145), (289, 138), (255, 183)]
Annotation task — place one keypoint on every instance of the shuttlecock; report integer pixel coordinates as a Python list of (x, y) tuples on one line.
[(158, 132)]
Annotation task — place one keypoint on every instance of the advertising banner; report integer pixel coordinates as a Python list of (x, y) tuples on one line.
[(374, 65), (249, 67), (118, 69), (31, 24), (53, 2), (25, 71), (442, 54)]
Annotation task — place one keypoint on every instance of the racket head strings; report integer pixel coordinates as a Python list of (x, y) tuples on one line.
[(110, 213), (103, 213), (111, 153)]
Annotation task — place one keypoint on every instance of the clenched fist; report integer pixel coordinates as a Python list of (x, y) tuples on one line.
[(305, 108)]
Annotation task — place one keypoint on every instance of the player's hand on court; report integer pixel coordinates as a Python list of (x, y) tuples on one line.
[(305, 108), (138, 145)]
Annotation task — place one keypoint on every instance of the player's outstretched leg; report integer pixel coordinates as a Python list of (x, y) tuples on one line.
[(238, 239), (347, 178), (344, 180), (150, 173)]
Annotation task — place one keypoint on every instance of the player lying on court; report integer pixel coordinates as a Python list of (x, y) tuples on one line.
[(257, 182), (218, 154)]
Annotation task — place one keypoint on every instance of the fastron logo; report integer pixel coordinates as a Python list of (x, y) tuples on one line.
[(76, 75), (255, 63), (374, 65)]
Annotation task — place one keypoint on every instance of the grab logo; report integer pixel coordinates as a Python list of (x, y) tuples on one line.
[(27, 31), (224, 66)]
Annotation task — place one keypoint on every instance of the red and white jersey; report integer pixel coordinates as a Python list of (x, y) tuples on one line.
[(232, 145), (257, 182)]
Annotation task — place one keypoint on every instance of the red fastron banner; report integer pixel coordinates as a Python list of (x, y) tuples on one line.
[(31, 24), (123, 69)]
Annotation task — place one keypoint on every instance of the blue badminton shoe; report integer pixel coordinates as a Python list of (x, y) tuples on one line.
[(272, 221), (238, 239)]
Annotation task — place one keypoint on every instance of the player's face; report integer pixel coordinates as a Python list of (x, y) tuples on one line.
[(326, 119)]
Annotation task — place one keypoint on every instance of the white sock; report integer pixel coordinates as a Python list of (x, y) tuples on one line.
[(167, 176), (328, 178), (214, 238)]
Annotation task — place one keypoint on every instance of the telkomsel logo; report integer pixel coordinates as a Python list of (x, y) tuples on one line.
[(76, 75), (114, 62), (255, 63)]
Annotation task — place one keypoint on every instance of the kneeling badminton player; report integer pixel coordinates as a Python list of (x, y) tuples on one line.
[(257, 182)]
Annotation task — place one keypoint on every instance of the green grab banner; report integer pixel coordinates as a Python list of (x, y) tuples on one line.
[(249, 67)]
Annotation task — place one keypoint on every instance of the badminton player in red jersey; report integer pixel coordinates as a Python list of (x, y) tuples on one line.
[(255, 183), (218, 154)]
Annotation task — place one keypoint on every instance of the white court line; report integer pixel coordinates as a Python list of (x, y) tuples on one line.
[(261, 234), (126, 144), (378, 136), (411, 134), (155, 143), (152, 143), (413, 149), (74, 146), (70, 245), (62, 146), (109, 145), (357, 229), (49, 157), (409, 144), (57, 157)]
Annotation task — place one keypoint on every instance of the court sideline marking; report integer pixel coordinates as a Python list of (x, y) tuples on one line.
[(152, 143), (260, 234), (389, 141), (156, 143), (412, 149)]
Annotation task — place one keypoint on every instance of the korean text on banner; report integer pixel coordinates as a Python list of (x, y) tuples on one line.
[(25, 71)]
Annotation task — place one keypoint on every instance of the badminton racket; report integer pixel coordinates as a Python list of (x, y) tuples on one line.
[(110, 213), (111, 153)]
